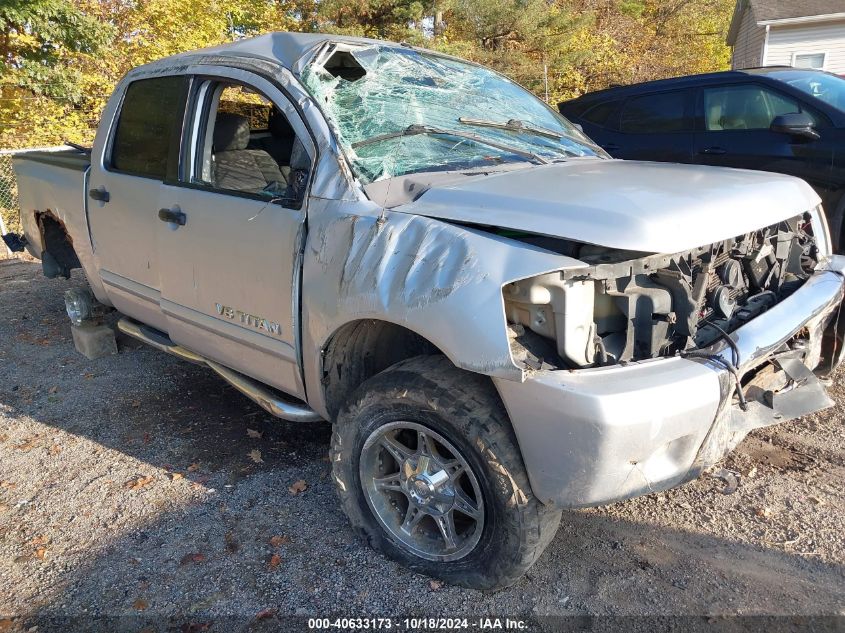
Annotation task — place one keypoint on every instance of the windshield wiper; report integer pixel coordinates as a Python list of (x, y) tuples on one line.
[(415, 129), (514, 124)]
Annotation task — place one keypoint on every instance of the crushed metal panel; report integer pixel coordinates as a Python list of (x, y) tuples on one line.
[(442, 281)]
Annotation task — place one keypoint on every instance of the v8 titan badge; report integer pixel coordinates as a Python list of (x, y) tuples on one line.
[(257, 322)]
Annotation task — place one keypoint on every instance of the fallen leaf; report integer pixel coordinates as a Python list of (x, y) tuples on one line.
[(39, 540), (435, 584), (135, 404), (763, 513), (7, 484), (140, 604), (275, 560), (195, 557), (53, 389), (266, 613), (175, 476), (277, 541), (193, 467), (55, 449), (256, 435), (231, 543), (138, 482), (87, 376), (298, 487), (255, 455), (40, 553), (6, 624)]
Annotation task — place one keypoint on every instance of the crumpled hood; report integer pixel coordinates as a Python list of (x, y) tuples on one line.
[(630, 205)]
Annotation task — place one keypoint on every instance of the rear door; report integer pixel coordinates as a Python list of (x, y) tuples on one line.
[(139, 151), (656, 126), (734, 131), (230, 263)]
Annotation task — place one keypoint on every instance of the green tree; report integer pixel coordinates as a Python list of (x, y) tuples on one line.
[(41, 40), (398, 20)]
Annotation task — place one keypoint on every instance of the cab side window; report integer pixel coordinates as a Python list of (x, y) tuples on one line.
[(249, 147), (146, 138), (745, 107)]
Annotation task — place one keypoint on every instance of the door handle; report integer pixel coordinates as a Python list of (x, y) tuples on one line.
[(713, 151), (100, 194), (174, 216)]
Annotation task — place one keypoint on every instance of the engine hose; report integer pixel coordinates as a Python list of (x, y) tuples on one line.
[(727, 338), (601, 350)]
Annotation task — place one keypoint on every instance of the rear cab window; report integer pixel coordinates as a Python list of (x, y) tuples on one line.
[(148, 131), (656, 113)]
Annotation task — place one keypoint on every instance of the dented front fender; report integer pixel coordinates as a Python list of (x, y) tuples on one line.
[(438, 279)]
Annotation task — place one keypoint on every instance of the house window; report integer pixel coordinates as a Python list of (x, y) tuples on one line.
[(809, 60)]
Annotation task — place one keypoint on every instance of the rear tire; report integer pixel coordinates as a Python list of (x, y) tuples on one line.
[(396, 445)]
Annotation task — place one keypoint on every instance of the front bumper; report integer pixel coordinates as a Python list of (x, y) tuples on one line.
[(594, 436)]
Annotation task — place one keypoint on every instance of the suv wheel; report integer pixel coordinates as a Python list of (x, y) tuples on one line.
[(428, 469)]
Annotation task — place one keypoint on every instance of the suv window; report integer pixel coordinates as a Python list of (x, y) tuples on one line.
[(655, 113), (745, 107), (148, 130), (601, 113)]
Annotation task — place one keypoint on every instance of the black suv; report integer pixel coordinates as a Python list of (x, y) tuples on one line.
[(775, 119)]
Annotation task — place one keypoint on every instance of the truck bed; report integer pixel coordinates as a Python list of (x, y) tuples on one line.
[(66, 159), (52, 187)]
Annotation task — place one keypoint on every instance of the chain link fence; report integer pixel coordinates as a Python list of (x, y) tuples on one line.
[(9, 214)]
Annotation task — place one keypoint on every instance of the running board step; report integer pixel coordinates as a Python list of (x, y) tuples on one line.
[(260, 394)]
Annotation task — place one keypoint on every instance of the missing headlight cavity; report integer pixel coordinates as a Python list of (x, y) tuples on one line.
[(660, 305)]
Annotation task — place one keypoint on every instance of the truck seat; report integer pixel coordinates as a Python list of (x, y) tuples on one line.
[(236, 167), (279, 144)]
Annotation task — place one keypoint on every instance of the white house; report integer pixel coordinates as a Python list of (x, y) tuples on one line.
[(801, 33)]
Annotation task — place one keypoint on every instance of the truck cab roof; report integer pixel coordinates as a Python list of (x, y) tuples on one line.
[(281, 47)]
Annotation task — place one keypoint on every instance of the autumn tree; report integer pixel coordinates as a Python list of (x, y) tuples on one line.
[(62, 58)]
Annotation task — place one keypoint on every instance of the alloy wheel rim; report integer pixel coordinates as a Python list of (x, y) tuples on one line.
[(422, 491)]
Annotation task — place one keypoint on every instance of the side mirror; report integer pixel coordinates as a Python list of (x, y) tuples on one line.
[(579, 127), (796, 125)]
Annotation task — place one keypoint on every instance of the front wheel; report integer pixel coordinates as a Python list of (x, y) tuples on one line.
[(428, 469)]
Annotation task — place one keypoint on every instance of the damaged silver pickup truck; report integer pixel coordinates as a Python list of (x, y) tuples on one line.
[(500, 321)]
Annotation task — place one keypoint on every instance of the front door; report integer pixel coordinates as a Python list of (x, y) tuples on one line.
[(136, 155), (734, 131), (230, 232)]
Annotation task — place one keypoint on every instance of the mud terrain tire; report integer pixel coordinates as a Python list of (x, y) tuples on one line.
[(465, 409)]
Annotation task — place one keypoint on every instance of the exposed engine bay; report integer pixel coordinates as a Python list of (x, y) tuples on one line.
[(621, 309)]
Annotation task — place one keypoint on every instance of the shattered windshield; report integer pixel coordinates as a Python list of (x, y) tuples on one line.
[(379, 98), (828, 88)]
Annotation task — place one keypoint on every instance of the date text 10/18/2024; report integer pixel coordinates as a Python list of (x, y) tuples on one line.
[(418, 624)]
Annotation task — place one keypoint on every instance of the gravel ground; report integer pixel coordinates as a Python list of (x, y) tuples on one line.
[(139, 485)]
